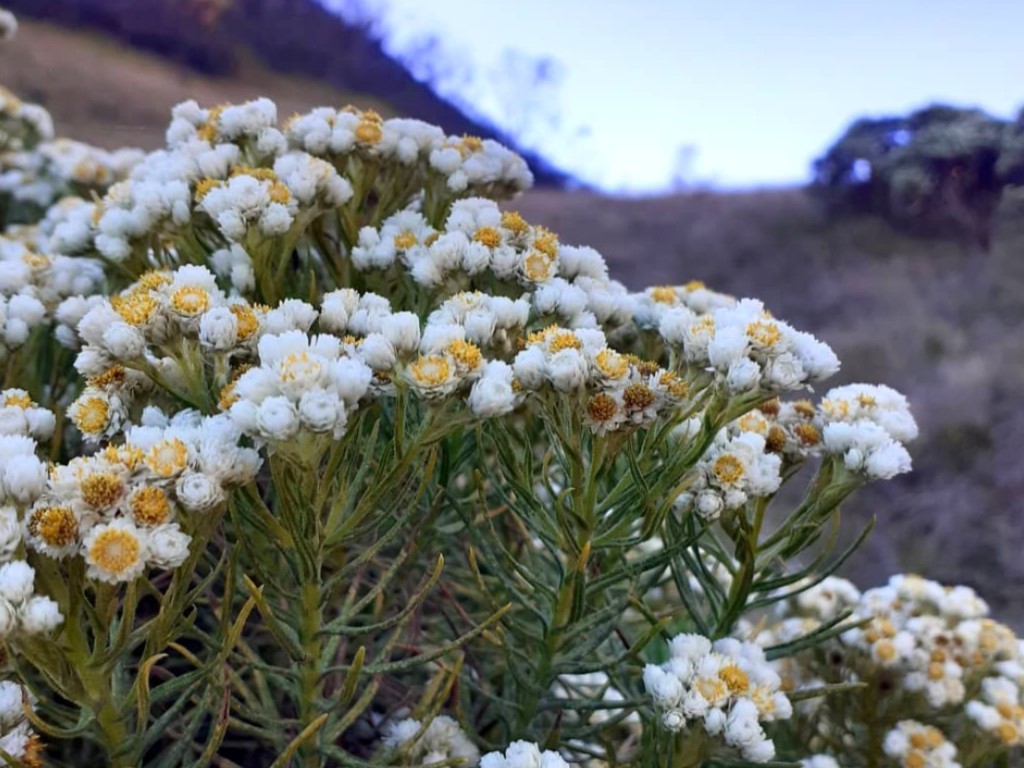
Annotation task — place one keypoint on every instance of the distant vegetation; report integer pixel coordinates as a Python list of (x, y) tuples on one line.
[(939, 170)]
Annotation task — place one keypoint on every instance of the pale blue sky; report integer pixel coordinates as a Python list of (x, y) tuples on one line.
[(759, 87)]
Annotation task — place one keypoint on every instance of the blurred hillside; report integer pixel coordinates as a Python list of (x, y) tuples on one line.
[(241, 39), (933, 318)]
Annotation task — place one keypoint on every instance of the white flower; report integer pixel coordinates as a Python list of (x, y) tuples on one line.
[(168, 545), (492, 394), (402, 329), (16, 580), (523, 754), (116, 551), (218, 329), (123, 341), (378, 352), (322, 410), (199, 491), (40, 615), (277, 418), (567, 370)]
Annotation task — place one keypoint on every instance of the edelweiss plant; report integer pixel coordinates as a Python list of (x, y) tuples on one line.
[(311, 454)]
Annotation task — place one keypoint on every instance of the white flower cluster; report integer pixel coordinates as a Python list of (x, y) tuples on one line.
[(465, 165), (53, 169), (272, 201), (727, 686), (523, 754), (49, 279), (867, 426), (999, 709), (302, 382), (251, 126), (17, 738), (915, 745), (623, 392), (22, 473), (735, 468), (118, 508), (932, 640), (442, 739), (19, 316), (19, 415), (22, 611), (22, 125), (747, 348)]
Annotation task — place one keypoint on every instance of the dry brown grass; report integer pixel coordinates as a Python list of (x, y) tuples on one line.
[(113, 96)]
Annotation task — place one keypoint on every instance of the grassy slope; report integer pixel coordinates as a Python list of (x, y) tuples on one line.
[(939, 322)]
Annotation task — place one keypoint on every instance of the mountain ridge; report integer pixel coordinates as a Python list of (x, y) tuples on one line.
[(294, 37)]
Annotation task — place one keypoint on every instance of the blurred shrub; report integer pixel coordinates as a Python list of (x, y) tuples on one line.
[(940, 170)]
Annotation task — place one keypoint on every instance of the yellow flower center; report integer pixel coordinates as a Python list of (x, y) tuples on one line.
[(676, 387), (205, 186), (1008, 733), (190, 300), (248, 323), (470, 144), (804, 409), (693, 285), (135, 308), (16, 400), (866, 401), (728, 469), (299, 366), (546, 241), (612, 364), (279, 193), (91, 415), (488, 236), (537, 266), (542, 336), (115, 550), (55, 526), (564, 340), (637, 397), (466, 354), (602, 407), (405, 240), (775, 442), (514, 223), (735, 678), (664, 294), (430, 370), (149, 506), (915, 759), (808, 434), (150, 281), (764, 333), (36, 261), (369, 130), (101, 489), (712, 688), (228, 397), (112, 378), (167, 457)]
